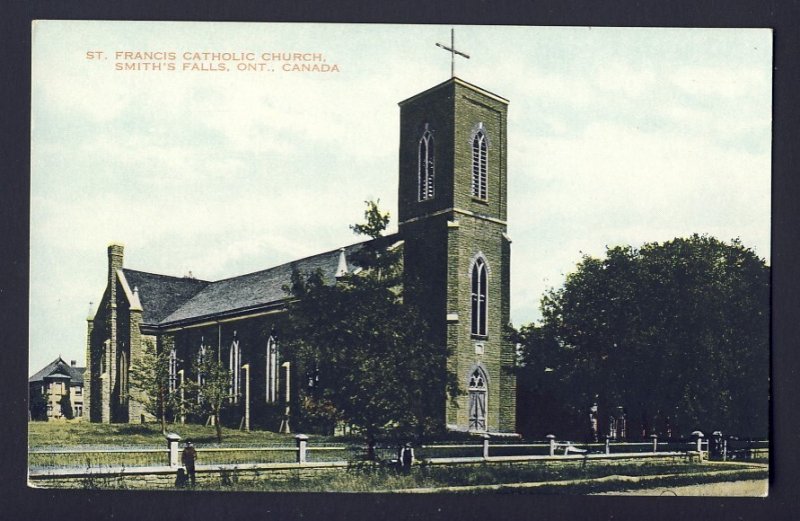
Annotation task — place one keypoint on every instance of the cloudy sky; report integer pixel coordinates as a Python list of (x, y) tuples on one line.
[(616, 136)]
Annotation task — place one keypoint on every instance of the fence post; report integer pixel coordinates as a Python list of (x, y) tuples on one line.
[(655, 442), (485, 446), (699, 436), (552, 439), (608, 444), (302, 446), (172, 445)]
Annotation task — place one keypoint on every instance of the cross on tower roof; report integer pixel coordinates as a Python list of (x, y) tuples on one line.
[(453, 52)]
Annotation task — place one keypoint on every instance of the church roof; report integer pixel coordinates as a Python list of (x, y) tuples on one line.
[(456, 81), (59, 367), (161, 294), (258, 289)]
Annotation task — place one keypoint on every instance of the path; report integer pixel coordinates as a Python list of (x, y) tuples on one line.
[(755, 487)]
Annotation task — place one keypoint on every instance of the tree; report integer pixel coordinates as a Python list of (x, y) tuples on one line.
[(150, 382), (38, 405), (367, 352), (677, 333), (212, 390), (66, 406)]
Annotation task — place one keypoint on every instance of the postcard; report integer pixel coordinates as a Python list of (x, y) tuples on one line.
[(415, 258)]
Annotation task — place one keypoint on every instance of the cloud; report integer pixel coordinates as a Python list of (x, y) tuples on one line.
[(622, 78), (726, 82), (612, 185), (615, 137)]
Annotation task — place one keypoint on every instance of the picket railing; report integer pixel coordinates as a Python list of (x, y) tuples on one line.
[(303, 452)]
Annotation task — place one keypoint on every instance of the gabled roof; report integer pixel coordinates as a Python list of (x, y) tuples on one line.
[(59, 367), (160, 295), (455, 81), (260, 288)]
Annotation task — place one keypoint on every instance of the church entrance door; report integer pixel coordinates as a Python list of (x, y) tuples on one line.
[(477, 400)]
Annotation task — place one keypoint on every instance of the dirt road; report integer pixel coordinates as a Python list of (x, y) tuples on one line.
[(725, 488)]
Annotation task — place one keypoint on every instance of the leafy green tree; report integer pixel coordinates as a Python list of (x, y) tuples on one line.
[(38, 406), (367, 352), (150, 382), (677, 333), (66, 406), (320, 415), (212, 392)]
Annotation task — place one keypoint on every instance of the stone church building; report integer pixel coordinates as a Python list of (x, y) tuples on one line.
[(452, 231)]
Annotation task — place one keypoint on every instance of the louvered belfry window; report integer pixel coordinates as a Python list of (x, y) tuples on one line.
[(425, 166), (479, 165)]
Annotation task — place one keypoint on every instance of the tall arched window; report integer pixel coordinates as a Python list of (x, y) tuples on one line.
[(173, 369), (201, 356), (477, 400), (123, 378), (479, 163), (235, 366), (425, 166), (479, 308), (272, 370)]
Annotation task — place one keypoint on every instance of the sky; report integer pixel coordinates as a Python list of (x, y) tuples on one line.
[(616, 136)]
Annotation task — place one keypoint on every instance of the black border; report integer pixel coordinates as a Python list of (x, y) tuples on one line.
[(19, 502)]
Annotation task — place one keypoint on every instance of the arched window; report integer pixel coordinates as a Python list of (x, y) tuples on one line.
[(477, 380), (235, 366), (477, 388), (479, 308), (479, 163), (103, 359), (271, 370), (123, 378), (425, 165), (201, 357), (173, 369)]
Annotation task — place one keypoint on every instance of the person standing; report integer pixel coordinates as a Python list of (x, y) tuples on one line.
[(406, 458), (188, 458)]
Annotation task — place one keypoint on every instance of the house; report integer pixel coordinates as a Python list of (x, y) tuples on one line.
[(49, 387), (452, 230)]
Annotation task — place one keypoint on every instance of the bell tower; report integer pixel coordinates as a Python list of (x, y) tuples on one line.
[(452, 210)]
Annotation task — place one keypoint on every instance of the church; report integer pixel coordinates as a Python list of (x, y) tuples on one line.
[(452, 210)]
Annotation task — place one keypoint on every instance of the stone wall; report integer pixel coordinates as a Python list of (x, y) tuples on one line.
[(136, 408), (473, 107), (87, 374), (115, 262), (252, 335), (434, 108)]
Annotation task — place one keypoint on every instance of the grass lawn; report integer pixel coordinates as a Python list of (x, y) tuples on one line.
[(375, 479), (74, 434), (360, 477)]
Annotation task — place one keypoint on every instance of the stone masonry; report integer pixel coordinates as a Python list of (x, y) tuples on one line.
[(446, 233)]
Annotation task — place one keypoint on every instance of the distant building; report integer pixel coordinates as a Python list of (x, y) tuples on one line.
[(52, 383)]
